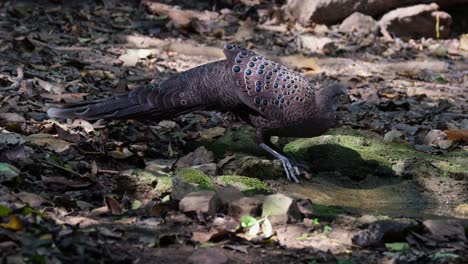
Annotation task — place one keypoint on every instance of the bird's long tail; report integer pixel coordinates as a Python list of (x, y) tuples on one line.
[(115, 107)]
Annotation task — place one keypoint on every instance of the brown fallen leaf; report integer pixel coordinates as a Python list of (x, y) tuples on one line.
[(14, 223), (113, 205), (457, 134), (49, 142), (31, 199)]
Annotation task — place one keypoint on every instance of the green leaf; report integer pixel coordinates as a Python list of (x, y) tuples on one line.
[(4, 211), (136, 204), (327, 229), (316, 221), (399, 246), (39, 259), (440, 255), (248, 221)]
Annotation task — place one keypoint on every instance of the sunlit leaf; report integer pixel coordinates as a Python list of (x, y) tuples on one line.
[(248, 221), (327, 229), (440, 255), (254, 230)]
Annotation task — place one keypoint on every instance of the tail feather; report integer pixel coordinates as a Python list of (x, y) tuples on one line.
[(118, 106)]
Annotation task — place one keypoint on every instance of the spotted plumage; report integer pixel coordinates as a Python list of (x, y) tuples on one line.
[(273, 98)]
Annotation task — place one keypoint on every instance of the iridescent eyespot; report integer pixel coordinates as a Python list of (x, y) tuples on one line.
[(258, 89), (238, 60), (244, 53), (265, 102), (261, 66), (251, 64), (258, 83), (276, 85), (276, 102), (253, 59), (236, 69), (257, 100), (229, 46), (149, 87), (289, 86), (260, 71), (248, 72)]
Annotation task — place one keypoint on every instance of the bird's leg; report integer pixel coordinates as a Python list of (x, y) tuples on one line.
[(292, 171)]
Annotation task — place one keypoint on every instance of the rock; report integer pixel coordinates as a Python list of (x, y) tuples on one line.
[(208, 256), (223, 198), (188, 180), (384, 231), (240, 140), (321, 45), (160, 166), (394, 136), (416, 22), (334, 11), (247, 185), (445, 230), (200, 156), (462, 210), (8, 172), (143, 184), (209, 169), (281, 209), (11, 146), (197, 202), (360, 24), (464, 43), (254, 167), (246, 206), (11, 118), (437, 138)]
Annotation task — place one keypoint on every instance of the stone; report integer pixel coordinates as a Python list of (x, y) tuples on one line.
[(360, 24), (462, 210), (334, 11), (254, 167), (246, 206), (209, 168), (384, 231), (197, 202), (437, 138), (416, 22), (281, 209), (143, 184), (394, 136), (223, 198), (200, 156), (445, 229), (321, 45), (11, 118)]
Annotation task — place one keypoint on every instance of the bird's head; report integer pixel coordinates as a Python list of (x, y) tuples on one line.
[(329, 98)]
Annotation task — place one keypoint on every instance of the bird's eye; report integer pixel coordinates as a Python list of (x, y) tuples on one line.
[(342, 97)]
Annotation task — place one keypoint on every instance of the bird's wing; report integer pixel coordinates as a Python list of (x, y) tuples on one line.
[(266, 86)]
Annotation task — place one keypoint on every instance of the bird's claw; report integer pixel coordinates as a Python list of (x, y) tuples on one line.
[(292, 171)]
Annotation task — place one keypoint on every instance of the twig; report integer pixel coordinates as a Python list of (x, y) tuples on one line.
[(108, 171), (60, 167), (17, 83)]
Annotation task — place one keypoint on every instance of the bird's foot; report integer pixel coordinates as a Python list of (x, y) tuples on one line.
[(291, 169)]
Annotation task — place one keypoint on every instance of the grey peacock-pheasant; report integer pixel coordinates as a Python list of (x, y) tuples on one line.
[(274, 99)]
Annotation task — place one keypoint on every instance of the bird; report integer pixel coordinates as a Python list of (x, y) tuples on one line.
[(274, 99)]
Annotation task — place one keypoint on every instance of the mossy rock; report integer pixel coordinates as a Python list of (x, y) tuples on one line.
[(196, 177), (241, 140), (9, 173), (357, 154), (143, 184), (246, 185), (254, 167)]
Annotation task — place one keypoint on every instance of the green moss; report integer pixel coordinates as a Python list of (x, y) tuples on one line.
[(326, 212), (241, 140), (254, 167), (356, 153), (245, 184), (194, 176)]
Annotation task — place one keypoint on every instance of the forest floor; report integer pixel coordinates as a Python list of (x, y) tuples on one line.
[(389, 186)]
